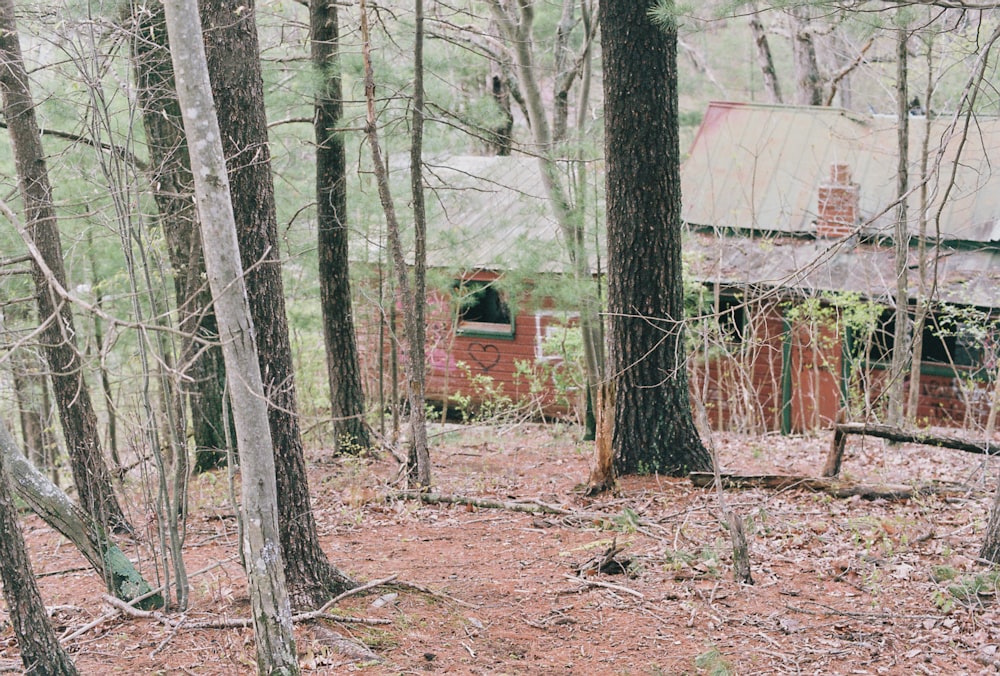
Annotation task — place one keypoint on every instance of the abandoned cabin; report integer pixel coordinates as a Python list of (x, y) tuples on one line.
[(500, 312), (789, 259), (791, 216)]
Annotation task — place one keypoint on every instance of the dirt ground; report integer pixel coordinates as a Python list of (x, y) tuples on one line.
[(842, 586)]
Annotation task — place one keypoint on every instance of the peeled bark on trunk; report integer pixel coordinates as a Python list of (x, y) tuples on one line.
[(55, 508), (41, 653), (270, 607), (76, 412), (654, 430), (347, 400), (232, 50)]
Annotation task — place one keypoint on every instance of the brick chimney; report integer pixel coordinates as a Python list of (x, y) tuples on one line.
[(838, 204)]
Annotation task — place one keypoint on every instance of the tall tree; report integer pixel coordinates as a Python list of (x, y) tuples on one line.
[(233, 54), (653, 428), (271, 610), (902, 346), (347, 402), (201, 361), (411, 295), (808, 81), (41, 653), (516, 22), (76, 412)]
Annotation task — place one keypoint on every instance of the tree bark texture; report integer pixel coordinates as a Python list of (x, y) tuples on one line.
[(41, 653), (76, 412), (902, 347), (808, 80), (232, 50), (56, 509), (764, 58), (201, 359), (347, 400), (654, 429), (270, 607)]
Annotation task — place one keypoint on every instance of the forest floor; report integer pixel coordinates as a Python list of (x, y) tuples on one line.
[(842, 586)]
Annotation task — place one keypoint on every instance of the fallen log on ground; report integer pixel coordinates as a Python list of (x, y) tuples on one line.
[(841, 430), (834, 487)]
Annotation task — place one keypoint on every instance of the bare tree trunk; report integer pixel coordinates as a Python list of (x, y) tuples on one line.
[(654, 430), (41, 653), (76, 412), (419, 471), (808, 81), (920, 314), (900, 363), (200, 355), (516, 26), (419, 460), (347, 401), (271, 610), (764, 58)]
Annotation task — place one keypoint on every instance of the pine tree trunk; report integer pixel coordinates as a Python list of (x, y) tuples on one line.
[(654, 429), (347, 401), (231, 47), (76, 412)]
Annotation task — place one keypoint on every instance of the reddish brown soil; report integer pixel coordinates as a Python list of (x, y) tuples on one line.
[(841, 586)]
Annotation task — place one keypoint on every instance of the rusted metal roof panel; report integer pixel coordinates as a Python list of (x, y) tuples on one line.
[(760, 167)]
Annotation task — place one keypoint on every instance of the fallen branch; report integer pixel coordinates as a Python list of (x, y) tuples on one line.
[(352, 592), (834, 487), (529, 506), (234, 623), (841, 430)]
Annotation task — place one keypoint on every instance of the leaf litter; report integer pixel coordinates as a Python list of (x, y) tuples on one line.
[(638, 582)]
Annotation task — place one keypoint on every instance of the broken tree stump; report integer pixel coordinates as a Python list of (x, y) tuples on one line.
[(841, 430)]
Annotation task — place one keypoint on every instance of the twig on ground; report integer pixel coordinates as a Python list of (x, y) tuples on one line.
[(351, 592), (169, 638), (430, 592), (605, 585)]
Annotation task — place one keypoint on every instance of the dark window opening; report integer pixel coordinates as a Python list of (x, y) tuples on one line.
[(732, 318), (942, 343), (482, 308)]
